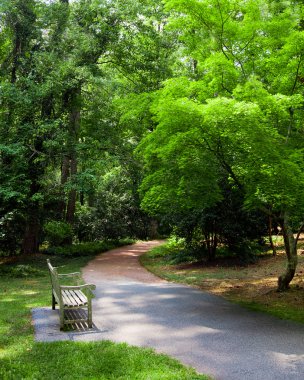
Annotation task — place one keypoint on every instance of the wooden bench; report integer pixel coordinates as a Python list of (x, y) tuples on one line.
[(71, 297)]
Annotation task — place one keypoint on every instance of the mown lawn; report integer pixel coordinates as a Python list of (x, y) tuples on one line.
[(253, 286), (24, 284)]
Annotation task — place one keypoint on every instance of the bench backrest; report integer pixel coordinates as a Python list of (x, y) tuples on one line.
[(54, 280)]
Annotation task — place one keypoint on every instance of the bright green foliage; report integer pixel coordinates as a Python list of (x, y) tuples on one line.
[(238, 113), (197, 140), (252, 131), (175, 158)]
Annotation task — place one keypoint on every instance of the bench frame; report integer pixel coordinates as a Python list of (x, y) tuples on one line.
[(70, 297)]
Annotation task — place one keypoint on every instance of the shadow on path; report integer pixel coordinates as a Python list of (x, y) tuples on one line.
[(200, 329)]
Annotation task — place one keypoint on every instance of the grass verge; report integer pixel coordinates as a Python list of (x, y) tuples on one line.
[(252, 286), (24, 284)]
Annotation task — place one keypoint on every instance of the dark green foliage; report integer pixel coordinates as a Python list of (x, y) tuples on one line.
[(185, 255), (111, 221), (11, 230), (235, 224), (87, 249), (63, 65), (57, 233), (226, 223), (116, 212), (20, 270)]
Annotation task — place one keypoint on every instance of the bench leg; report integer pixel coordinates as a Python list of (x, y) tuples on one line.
[(90, 324), (61, 314), (53, 301)]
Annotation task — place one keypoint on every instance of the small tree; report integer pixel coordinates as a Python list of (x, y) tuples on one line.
[(240, 111)]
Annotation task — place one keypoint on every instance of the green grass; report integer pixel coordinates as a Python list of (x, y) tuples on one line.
[(156, 262), (160, 262), (24, 285), (282, 311)]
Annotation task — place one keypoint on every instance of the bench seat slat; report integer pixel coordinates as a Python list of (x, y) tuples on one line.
[(66, 299), (81, 296), (78, 297), (71, 298)]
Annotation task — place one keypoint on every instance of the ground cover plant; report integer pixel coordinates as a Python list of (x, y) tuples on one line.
[(88, 248), (25, 284), (252, 285)]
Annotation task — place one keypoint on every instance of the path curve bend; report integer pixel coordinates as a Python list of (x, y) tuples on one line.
[(199, 329)]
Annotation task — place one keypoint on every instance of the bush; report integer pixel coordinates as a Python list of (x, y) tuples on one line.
[(58, 233), (181, 257), (247, 252), (116, 209), (87, 249), (20, 270), (11, 232)]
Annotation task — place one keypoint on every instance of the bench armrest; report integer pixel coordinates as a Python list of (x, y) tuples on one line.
[(86, 287), (69, 274), (66, 276)]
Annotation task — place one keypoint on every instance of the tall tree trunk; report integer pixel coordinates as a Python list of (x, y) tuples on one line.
[(71, 101), (274, 250), (81, 198), (16, 54), (153, 233), (75, 106), (65, 173), (211, 243), (30, 242), (71, 205), (290, 243), (36, 168)]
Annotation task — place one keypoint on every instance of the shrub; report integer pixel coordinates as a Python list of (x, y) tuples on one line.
[(247, 252), (58, 233), (181, 257), (11, 231), (20, 270), (88, 248)]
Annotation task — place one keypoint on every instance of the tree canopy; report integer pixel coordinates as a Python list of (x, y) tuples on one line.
[(236, 113), (114, 114)]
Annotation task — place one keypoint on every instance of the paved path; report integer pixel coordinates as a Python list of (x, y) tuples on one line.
[(201, 330)]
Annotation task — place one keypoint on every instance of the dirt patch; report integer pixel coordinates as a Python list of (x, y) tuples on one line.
[(253, 283)]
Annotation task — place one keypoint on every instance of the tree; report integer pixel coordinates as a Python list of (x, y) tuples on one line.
[(21, 129), (239, 111), (62, 66)]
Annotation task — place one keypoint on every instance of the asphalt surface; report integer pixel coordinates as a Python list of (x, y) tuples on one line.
[(201, 330)]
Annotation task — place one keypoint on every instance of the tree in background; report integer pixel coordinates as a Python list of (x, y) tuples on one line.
[(22, 125), (63, 64)]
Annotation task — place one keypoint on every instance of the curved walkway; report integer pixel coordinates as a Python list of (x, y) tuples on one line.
[(199, 329)]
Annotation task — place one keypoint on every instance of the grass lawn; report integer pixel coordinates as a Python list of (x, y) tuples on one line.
[(25, 284), (253, 286)]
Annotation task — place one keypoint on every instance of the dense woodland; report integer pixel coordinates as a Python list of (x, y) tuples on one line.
[(117, 116)]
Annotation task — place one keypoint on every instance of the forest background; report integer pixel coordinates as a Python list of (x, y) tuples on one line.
[(117, 117)]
